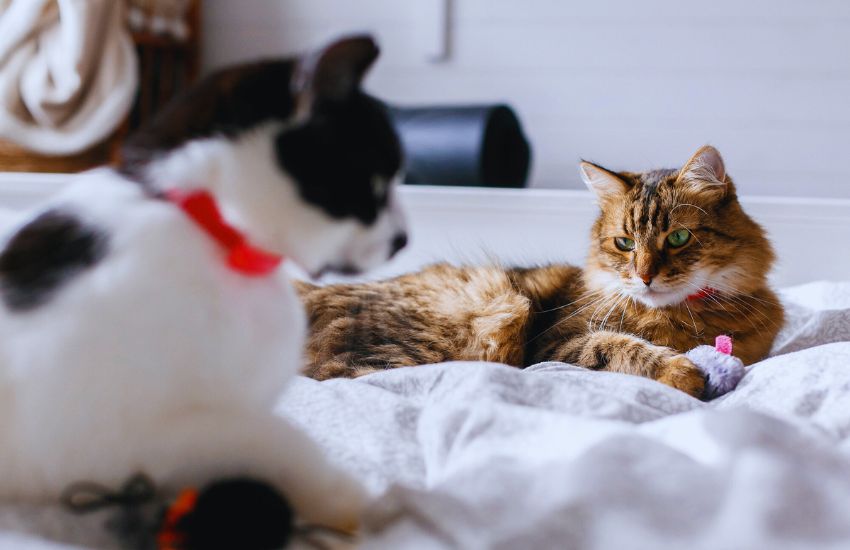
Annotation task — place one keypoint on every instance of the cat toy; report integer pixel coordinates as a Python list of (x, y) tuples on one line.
[(722, 370), (242, 513)]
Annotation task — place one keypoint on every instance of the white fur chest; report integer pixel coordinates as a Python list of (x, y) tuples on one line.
[(126, 343), (157, 328)]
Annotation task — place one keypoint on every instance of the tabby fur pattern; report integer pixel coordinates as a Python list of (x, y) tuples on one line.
[(630, 311)]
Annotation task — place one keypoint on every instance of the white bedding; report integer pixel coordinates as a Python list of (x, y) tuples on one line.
[(476, 455)]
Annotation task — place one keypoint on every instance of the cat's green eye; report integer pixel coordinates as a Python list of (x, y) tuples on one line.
[(678, 238), (624, 243)]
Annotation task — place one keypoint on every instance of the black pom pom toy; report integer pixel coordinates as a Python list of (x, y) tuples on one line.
[(235, 513)]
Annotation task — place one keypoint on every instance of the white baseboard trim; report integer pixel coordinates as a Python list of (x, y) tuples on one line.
[(527, 226), (811, 236), (19, 190)]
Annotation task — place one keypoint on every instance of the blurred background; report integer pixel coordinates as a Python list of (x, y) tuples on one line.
[(630, 85)]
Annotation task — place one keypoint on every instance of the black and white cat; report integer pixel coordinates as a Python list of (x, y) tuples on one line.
[(140, 331)]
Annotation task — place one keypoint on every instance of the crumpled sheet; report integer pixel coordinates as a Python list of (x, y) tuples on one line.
[(473, 455), (68, 73), (477, 455)]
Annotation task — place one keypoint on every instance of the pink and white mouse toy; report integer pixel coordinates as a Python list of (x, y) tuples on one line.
[(722, 370)]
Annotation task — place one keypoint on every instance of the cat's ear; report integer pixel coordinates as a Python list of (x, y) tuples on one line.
[(705, 173), (334, 72), (604, 183)]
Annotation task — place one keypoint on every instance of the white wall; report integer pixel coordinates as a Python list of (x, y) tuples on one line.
[(475, 225), (630, 84)]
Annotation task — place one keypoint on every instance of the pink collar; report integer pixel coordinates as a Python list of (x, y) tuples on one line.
[(703, 293), (242, 257)]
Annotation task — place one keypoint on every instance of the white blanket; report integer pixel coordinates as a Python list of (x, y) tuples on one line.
[(476, 455), (487, 456)]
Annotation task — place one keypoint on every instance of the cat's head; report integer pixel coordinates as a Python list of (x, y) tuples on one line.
[(298, 156), (665, 235)]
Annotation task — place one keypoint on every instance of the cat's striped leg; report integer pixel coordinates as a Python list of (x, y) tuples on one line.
[(617, 352), (356, 364)]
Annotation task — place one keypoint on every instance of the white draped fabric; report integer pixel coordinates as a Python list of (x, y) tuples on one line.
[(68, 73)]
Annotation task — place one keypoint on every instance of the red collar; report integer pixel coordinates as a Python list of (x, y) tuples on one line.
[(703, 293), (243, 258)]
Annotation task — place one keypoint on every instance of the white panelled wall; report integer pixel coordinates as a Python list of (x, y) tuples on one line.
[(477, 225), (629, 84)]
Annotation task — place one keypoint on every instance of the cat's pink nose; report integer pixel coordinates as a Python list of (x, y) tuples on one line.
[(646, 278)]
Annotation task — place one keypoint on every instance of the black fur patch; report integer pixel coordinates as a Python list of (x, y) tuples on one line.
[(228, 102), (334, 155), (337, 154), (238, 513), (43, 255)]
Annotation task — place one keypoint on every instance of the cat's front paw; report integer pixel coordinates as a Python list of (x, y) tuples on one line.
[(722, 371), (679, 372)]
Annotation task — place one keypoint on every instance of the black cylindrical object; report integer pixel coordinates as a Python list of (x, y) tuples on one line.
[(479, 145)]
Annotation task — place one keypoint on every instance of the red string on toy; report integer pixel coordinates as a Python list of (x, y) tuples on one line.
[(242, 257)]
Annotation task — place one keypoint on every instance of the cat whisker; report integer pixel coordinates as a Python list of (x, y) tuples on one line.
[(687, 204), (750, 319), (746, 313), (620, 299), (697, 333), (731, 295), (729, 289), (581, 298), (718, 303), (623, 315), (568, 317), (601, 306), (749, 309)]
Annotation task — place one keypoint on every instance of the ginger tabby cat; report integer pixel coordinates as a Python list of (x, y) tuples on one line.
[(674, 261)]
